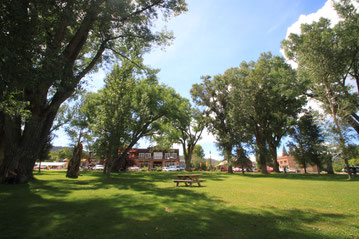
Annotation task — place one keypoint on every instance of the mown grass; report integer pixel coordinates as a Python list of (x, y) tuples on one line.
[(148, 205)]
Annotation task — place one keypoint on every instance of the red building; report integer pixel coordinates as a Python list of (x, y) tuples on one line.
[(292, 165), (152, 158)]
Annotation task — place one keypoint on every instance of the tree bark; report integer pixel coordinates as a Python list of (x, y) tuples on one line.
[(22, 147), (73, 167), (274, 154), (262, 150), (353, 122), (330, 166), (187, 159), (336, 122), (229, 159)]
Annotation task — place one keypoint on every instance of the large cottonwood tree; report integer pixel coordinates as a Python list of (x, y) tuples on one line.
[(327, 59), (128, 109), (265, 103), (185, 128), (47, 48), (213, 95)]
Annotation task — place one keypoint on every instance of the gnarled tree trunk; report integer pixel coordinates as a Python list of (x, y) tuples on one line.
[(74, 164), (330, 166), (21, 144), (273, 150)]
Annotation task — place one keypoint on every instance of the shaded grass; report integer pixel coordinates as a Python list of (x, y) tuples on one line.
[(148, 205)]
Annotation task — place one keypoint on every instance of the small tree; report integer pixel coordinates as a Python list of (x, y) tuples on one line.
[(307, 142), (186, 129), (198, 162)]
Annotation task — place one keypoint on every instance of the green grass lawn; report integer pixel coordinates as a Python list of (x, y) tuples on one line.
[(148, 205)]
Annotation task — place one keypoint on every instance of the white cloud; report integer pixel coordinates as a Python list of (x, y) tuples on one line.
[(207, 137), (327, 11)]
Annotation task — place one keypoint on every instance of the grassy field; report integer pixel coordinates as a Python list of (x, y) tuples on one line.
[(148, 205)]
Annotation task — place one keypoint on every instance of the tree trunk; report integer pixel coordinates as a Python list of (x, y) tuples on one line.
[(330, 166), (262, 149), (21, 147), (229, 159), (188, 158), (273, 150), (338, 127), (353, 123), (262, 156), (241, 157), (74, 164)]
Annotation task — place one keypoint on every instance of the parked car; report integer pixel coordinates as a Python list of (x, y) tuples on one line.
[(173, 168), (353, 169), (236, 170), (134, 168), (99, 167), (181, 168), (269, 169), (288, 170)]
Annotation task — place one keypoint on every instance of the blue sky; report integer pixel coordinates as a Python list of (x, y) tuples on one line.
[(216, 35)]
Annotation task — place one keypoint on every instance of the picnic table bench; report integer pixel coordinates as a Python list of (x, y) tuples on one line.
[(188, 180)]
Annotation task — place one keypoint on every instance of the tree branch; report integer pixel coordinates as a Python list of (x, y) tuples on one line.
[(124, 56), (93, 61), (141, 10), (73, 49)]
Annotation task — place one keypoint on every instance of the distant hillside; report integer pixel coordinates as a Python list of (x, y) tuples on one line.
[(54, 148)]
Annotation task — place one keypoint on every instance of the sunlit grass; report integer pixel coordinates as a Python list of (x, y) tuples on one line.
[(148, 205)]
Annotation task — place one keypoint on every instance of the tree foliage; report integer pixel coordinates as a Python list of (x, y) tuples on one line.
[(213, 96), (327, 61), (48, 47), (60, 154), (185, 128), (256, 102), (307, 142), (127, 109)]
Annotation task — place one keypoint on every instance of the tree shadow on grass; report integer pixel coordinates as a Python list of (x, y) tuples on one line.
[(138, 181), (309, 177), (139, 208)]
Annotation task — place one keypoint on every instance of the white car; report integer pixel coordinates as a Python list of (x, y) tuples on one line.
[(172, 168), (134, 168), (99, 167), (288, 170)]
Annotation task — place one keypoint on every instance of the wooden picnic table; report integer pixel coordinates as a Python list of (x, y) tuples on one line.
[(188, 179)]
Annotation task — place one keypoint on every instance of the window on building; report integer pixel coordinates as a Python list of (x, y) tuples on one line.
[(170, 156), (170, 164), (280, 162), (157, 155), (285, 161), (141, 155), (147, 155), (144, 164)]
